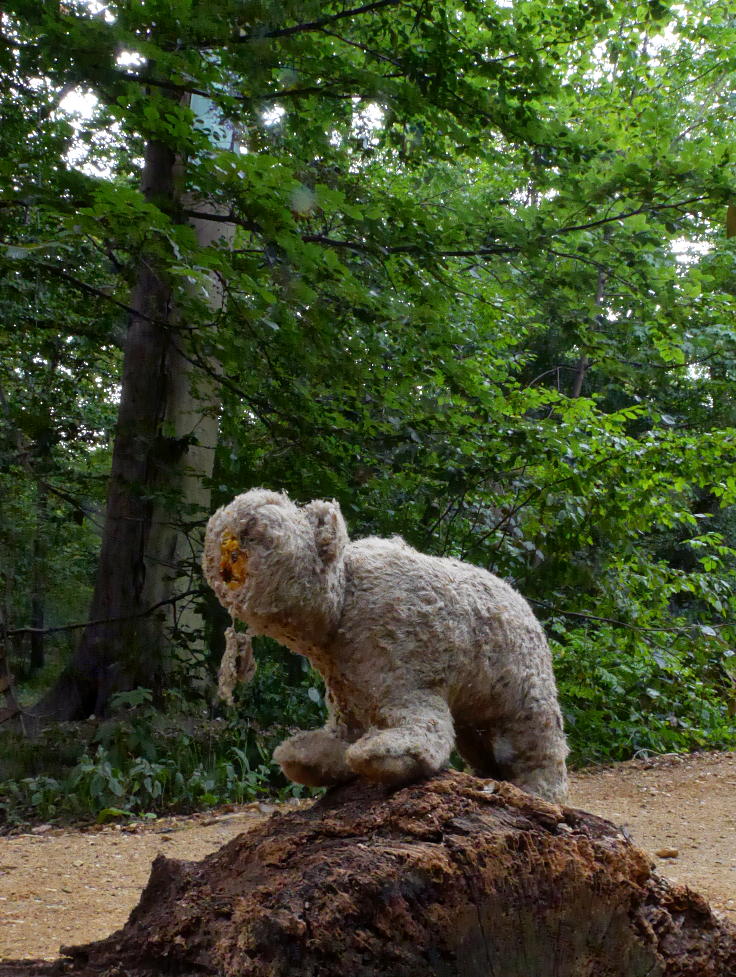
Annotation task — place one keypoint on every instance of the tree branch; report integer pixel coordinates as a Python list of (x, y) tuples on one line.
[(406, 248), (91, 290), (106, 620), (647, 209), (363, 47), (600, 265), (687, 629), (304, 28), (173, 86), (221, 219)]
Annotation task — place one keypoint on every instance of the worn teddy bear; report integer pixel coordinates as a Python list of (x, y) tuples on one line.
[(418, 653)]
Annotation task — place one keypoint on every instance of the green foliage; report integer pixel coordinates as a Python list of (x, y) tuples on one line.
[(97, 788), (285, 689), (635, 697), (480, 293), (143, 765)]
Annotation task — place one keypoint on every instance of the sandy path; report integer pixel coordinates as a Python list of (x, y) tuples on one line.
[(685, 804), (67, 886)]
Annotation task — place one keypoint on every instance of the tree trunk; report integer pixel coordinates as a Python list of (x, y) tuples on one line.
[(584, 361), (38, 582), (192, 421), (456, 877), (9, 708), (191, 418), (159, 492), (112, 652)]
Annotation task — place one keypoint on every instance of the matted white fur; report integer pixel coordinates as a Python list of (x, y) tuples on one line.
[(418, 653)]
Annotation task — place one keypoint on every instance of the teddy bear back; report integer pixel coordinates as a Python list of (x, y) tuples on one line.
[(395, 592)]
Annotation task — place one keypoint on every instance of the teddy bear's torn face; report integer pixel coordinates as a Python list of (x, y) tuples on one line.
[(277, 566), (245, 544)]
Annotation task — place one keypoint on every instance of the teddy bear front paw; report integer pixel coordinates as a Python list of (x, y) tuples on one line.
[(315, 759), (387, 757), (388, 769)]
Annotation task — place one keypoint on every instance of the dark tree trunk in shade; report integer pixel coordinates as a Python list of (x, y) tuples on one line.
[(455, 877), (37, 657), (39, 557), (124, 649), (159, 489)]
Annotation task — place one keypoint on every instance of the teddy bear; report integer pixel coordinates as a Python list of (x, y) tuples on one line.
[(420, 654)]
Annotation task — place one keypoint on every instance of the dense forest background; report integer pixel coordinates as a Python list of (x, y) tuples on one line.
[(466, 267)]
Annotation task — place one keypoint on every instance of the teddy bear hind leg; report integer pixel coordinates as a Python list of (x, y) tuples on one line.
[(315, 758), (531, 756), (415, 741)]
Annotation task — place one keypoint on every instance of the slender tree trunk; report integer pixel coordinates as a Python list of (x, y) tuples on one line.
[(38, 582), (583, 364), (9, 708), (584, 361)]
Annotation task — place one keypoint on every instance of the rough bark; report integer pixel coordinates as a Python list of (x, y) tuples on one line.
[(456, 877), (110, 649)]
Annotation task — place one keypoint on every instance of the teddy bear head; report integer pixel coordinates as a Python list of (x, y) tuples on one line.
[(277, 566)]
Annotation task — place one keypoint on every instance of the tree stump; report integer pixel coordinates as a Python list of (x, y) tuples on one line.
[(453, 877)]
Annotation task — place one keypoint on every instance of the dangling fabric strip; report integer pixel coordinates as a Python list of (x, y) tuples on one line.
[(238, 665)]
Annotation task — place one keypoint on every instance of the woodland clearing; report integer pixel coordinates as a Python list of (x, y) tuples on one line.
[(61, 886)]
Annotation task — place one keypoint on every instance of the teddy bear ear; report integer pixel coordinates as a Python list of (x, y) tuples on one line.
[(330, 532)]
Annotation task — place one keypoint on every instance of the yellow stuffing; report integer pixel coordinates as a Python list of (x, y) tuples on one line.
[(233, 561)]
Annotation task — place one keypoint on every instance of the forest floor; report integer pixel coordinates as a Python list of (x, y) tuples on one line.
[(70, 886)]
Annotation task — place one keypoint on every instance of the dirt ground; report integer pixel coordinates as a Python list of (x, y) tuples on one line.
[(61, 886)]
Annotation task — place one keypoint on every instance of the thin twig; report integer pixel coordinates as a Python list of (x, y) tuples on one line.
[(625, 624), (105, 620), (304, 28)]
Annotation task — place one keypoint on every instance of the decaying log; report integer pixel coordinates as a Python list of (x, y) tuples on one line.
[(454, 877)]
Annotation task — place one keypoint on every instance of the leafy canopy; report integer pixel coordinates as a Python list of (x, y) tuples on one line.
[(480, 290)]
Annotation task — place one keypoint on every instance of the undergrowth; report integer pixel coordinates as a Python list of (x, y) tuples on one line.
[(619, 700), (145, 761), (622, 700)]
